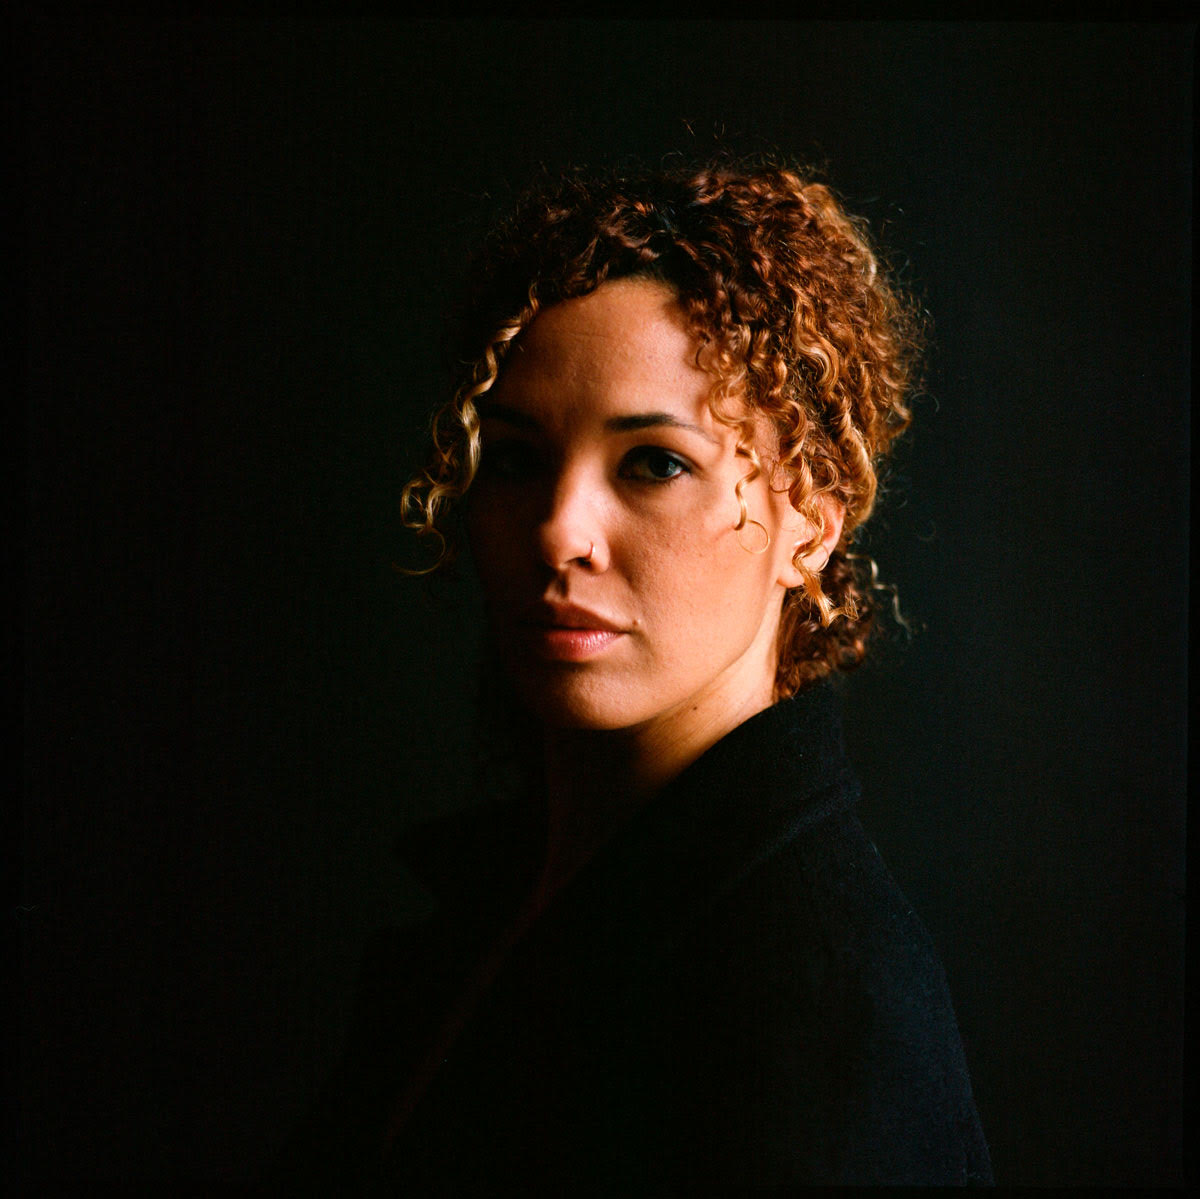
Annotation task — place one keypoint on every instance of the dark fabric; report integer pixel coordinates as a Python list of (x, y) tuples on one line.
[(733, 993)]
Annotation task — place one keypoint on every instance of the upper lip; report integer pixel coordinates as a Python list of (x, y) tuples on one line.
[(551, 615)]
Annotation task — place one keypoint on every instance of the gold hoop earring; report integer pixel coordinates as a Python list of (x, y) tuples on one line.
[(766, 545)]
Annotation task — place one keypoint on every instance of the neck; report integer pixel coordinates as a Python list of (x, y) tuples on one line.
[(597, 779)]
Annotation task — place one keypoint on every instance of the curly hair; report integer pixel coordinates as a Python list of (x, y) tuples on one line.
[(797, 320)]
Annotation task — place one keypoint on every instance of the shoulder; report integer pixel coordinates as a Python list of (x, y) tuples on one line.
[(825, 1005), (821, 930)]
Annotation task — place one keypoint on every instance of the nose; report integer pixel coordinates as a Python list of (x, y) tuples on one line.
[(571, 532)]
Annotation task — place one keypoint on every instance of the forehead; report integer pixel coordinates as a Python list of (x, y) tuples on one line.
[(624, 345)]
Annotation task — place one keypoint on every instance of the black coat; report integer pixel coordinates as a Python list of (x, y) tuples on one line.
[(733, 992)]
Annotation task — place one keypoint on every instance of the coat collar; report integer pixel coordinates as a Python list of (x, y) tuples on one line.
[(744, 799)]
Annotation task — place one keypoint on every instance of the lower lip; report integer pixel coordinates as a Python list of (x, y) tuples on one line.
[(571, 645)]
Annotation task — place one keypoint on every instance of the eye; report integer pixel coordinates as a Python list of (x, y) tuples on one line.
[(651, 464), (508, 458)]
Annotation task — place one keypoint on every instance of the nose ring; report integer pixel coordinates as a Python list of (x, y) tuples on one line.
[(587, 558)]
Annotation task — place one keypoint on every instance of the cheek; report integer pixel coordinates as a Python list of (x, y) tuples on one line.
[(497, 534), (695, 570)]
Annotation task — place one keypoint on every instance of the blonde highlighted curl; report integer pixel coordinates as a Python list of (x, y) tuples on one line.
[(795, 316)]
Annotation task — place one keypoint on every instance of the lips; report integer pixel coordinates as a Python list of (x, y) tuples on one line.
[(566, 632), (548, 614)]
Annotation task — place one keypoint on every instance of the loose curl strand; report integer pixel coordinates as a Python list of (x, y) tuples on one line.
[(795, 316)]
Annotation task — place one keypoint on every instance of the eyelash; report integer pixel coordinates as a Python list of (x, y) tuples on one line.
[(513, 459), (509, 459), (643, 455)]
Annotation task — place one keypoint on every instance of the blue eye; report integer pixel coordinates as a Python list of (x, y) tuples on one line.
[(649, 464)]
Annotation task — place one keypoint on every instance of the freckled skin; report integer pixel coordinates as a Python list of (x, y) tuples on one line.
[(636, 525)]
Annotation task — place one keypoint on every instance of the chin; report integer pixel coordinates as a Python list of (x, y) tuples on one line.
[(570, 701)]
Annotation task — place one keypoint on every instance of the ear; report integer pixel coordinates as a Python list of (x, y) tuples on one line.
[(798, 530)]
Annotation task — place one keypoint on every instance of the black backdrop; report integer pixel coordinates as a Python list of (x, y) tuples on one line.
[(239, 238)]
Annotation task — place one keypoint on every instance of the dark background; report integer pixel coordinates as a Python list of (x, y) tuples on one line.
[(239, 239)]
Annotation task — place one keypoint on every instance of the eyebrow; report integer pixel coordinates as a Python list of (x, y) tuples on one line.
[(615, 424)]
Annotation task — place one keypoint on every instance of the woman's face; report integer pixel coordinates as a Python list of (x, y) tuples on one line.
[(602, 522)]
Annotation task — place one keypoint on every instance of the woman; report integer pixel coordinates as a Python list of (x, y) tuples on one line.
[(678, 961)]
